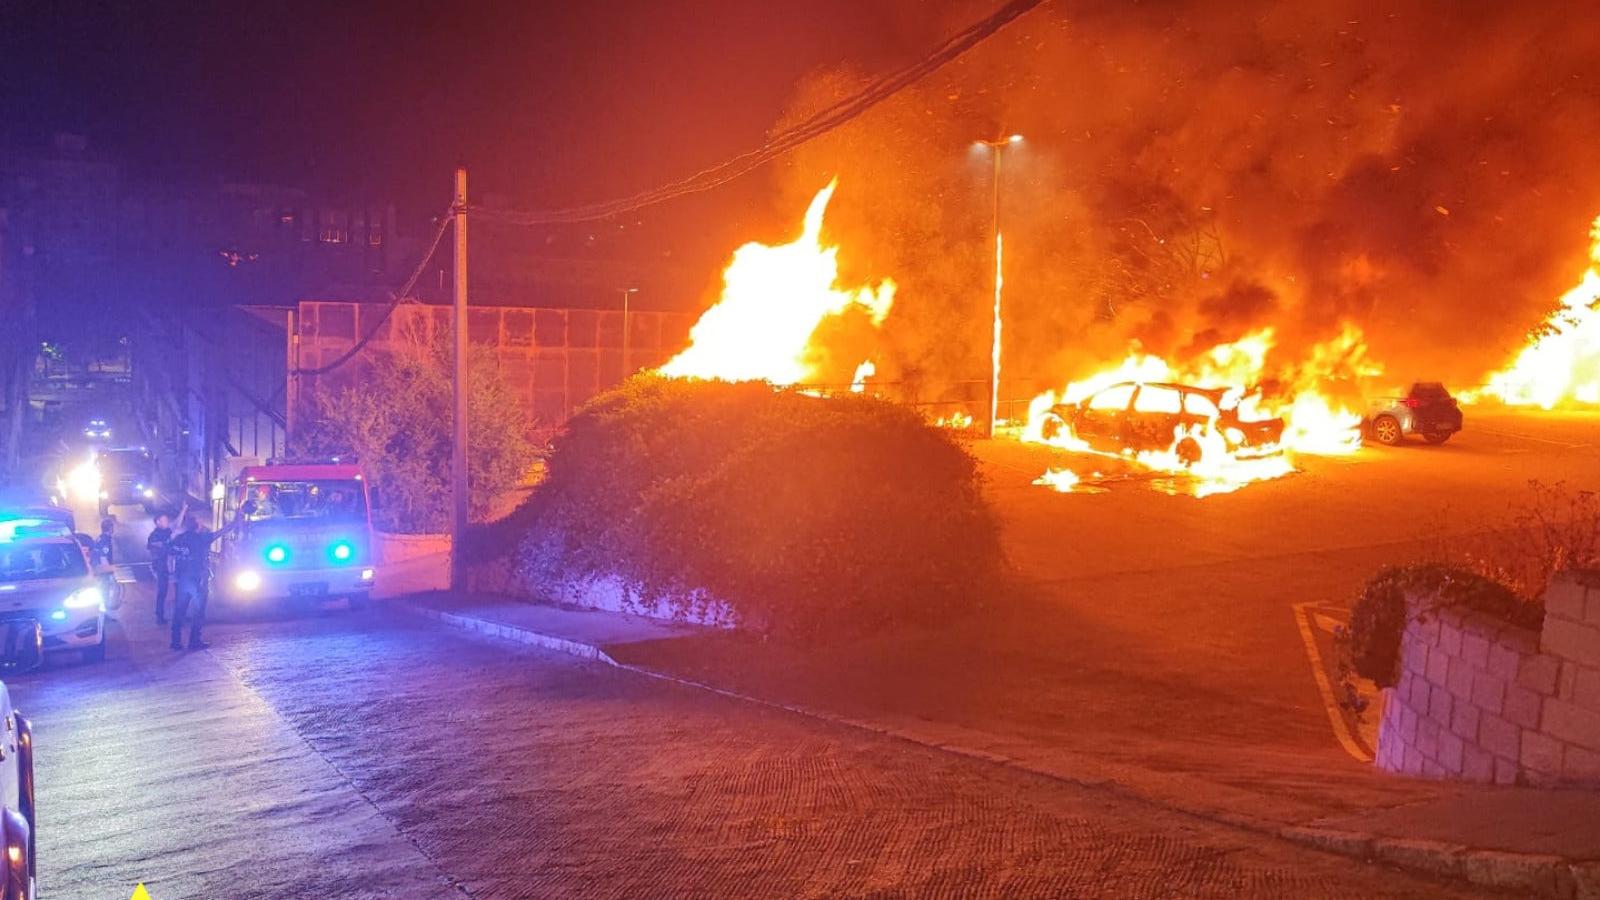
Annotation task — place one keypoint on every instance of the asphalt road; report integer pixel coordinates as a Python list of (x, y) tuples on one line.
[(373, 755)]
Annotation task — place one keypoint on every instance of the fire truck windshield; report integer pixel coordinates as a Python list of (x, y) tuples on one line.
[(318, 500)]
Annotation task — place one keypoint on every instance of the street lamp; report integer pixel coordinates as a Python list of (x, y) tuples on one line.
[(625, 293), (996, 148)]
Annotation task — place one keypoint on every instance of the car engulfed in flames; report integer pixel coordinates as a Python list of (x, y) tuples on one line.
[(1162, 416)]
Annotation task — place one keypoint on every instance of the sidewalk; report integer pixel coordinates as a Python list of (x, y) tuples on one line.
[(1544, 843)]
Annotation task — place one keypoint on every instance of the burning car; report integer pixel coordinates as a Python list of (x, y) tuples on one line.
[(1137, 416), (1426, 409)]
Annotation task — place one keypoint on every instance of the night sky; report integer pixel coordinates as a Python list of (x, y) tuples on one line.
[(548, 103)]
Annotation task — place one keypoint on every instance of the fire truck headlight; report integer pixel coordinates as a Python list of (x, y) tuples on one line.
[(248, 580), (367, 574), (277, 554), (341, 551), (83, 598)]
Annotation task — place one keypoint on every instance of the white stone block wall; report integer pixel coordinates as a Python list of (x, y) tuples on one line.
[(1481, 700)]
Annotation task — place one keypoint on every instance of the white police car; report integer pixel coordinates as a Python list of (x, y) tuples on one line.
[(50, 598), (18, 867)]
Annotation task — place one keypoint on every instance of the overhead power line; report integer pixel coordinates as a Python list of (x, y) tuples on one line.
[(817, 124), (398, 298)]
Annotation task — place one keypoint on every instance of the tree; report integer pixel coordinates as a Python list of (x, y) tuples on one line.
[(396, 419)]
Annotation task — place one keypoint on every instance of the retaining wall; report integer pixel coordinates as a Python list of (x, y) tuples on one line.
[(1481, 700)]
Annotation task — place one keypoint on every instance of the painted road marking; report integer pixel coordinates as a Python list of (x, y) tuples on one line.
[(1330, 703)]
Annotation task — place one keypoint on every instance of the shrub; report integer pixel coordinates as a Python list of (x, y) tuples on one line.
[(1552, 528), (1378, 617), (396, 419), (806, 515)]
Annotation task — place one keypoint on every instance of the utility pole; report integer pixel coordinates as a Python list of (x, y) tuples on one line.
[(458, 444), (626, 370)]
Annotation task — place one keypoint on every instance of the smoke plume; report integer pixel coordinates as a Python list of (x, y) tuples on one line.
[(1425, 169)]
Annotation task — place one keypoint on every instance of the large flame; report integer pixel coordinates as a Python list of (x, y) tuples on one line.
[(773, 299), (1314, 423), (1561, 364)]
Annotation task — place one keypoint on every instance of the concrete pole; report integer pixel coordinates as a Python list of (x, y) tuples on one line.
[(458, 444)]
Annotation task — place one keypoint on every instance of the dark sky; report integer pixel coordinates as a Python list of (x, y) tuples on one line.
[(548, 103)]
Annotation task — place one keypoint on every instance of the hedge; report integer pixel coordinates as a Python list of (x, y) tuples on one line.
[(1378, 617), (807, 515)]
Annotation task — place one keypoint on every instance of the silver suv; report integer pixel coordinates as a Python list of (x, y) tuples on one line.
[(1426, 409)]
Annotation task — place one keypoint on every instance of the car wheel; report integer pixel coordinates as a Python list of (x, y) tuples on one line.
[(1386, 430), (1051, 427), (97, 653), (1189, 451), (1437, 438)]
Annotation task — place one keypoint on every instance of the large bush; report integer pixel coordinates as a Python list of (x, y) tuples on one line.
[(396, 418), (807, 515), (1378, 617)]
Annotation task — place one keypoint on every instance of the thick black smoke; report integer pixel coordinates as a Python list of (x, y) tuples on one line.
[(1426, 169)]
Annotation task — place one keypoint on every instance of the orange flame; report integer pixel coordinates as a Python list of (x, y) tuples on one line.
[(1313, 422), (773, 299), (1561, 365)]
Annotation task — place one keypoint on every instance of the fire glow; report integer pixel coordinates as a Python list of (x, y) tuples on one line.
[(1201, 453), (1560, 366), (773, 299)]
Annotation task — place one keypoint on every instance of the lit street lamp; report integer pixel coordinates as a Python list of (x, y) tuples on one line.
[(997, 148)]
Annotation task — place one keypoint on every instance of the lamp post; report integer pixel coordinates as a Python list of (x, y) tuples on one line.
[(996, 148), (625, 293)]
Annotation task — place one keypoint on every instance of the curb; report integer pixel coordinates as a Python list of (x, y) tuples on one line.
[(1529, 874), (514, 633)]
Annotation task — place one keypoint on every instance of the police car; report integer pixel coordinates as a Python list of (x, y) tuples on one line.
[(18, 867), (51, 600)]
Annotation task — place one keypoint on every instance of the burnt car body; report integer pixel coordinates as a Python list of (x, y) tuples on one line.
[(1426, 409), (1135, 416)]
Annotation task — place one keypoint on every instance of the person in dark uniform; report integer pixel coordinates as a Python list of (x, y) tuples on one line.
[(191, 570), (105, 544), (161, 562)]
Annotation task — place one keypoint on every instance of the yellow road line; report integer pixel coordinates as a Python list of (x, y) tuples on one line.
[(1341, 729)]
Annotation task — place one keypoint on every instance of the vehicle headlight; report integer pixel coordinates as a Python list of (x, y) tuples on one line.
[(342, 551), (149, 493), (277, 553), (84, 597), (367, 574), (248, 580)]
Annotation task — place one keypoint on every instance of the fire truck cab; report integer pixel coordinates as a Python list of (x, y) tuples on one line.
[(306, 534)]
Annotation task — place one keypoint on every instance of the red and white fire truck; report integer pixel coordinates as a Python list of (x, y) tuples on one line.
[(306, 533)]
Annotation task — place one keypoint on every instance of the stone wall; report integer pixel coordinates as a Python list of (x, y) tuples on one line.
[(1481, 700)]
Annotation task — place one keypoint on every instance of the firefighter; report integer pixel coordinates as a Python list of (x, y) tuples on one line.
[(191, 570)]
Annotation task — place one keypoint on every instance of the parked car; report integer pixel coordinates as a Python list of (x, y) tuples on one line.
[(51, 599), (1135, 416), (18, 820), (1426, 409)]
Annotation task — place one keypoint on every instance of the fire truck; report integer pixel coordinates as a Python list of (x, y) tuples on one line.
[(306, 533)]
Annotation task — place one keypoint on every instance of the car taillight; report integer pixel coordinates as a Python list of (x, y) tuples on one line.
[(1412, 403)]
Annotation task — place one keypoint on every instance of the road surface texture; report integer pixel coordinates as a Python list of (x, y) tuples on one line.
[(1150, 638), (373, 754)]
